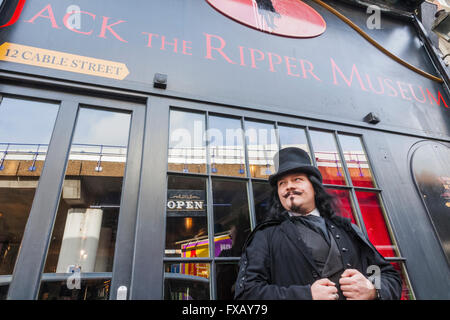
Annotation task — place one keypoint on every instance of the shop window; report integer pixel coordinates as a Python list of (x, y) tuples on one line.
[(231, 166), (406, 291), (327, 157), (226, 146), (85, 289), (357, 162), (84, 233), (262, 192), (377, 231), (226, 274), (186, 228), (25, 131), (3, 291), (231, 217), (261, 145), (431, 169), (343, 203), (187, 143), (293, 137), (186, 281)]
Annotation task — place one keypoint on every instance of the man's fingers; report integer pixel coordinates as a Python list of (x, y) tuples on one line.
[(325, 282), (324, 289), (345, 281), (347, 288), (333, 296), (350, 295), (332, 293), (349, 272), (333, 290)]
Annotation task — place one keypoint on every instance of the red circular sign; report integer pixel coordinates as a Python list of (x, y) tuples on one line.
[(290, 18)]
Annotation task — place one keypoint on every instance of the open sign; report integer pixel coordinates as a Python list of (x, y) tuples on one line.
[(186, 203)]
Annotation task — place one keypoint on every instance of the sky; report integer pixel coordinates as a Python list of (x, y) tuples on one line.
[(32, 122)]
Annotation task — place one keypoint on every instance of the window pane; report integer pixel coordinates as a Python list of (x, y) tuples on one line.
[(85, 228), (261, 197), (226, 274), (293, 137), (370, 206), (406, 291), (327, 157), (262, 146), (186, 228), (4, 291), (226, 146), (231, 217), (92, 289), (186, 281), (431, 169), (187, 147), (357, 162), (343, 203), (25, 131)]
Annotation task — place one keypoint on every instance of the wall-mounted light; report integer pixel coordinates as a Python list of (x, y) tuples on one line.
[(188, 223), (160, 81)]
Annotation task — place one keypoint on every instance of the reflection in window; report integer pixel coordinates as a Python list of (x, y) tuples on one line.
[(226, 147), (327, 157), (187, 147), (92, 289), (293, 137), (25, 131), (262, 192), (343, 203), (370, 205), (84, 233), (186, 281), (262, 146), (431, 168), (357, 162), (186, 228), (231, 217), (226, 275), (406, 291), (4, 291)]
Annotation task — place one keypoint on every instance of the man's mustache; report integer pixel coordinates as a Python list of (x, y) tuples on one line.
[(289, 193)]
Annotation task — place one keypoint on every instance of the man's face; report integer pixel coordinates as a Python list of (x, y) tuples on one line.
[(296, 193)]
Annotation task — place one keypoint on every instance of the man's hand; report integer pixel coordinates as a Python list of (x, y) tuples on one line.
[(355, 286), (324, 289)]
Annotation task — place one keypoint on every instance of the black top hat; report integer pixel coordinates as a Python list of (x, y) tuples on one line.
[(291, 160)]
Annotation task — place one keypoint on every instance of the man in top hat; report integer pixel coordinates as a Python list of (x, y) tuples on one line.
[(303, 250)]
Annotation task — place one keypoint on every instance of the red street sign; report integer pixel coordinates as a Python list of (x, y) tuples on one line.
[(289, 18)]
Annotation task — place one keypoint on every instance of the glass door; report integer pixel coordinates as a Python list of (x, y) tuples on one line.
[(85, 230), (25, 130), (72, 202)]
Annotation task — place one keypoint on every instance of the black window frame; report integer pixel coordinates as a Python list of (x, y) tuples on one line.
[(276, 120), (25, 282)]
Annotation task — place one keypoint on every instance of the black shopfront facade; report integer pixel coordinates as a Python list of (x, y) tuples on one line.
[(135, 136)]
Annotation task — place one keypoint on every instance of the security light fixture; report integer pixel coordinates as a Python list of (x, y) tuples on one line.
[(160, 81)]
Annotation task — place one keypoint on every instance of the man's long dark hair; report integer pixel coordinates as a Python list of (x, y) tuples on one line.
[(325, 202)]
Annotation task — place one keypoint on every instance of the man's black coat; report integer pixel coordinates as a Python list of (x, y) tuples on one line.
[(275, 263)]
